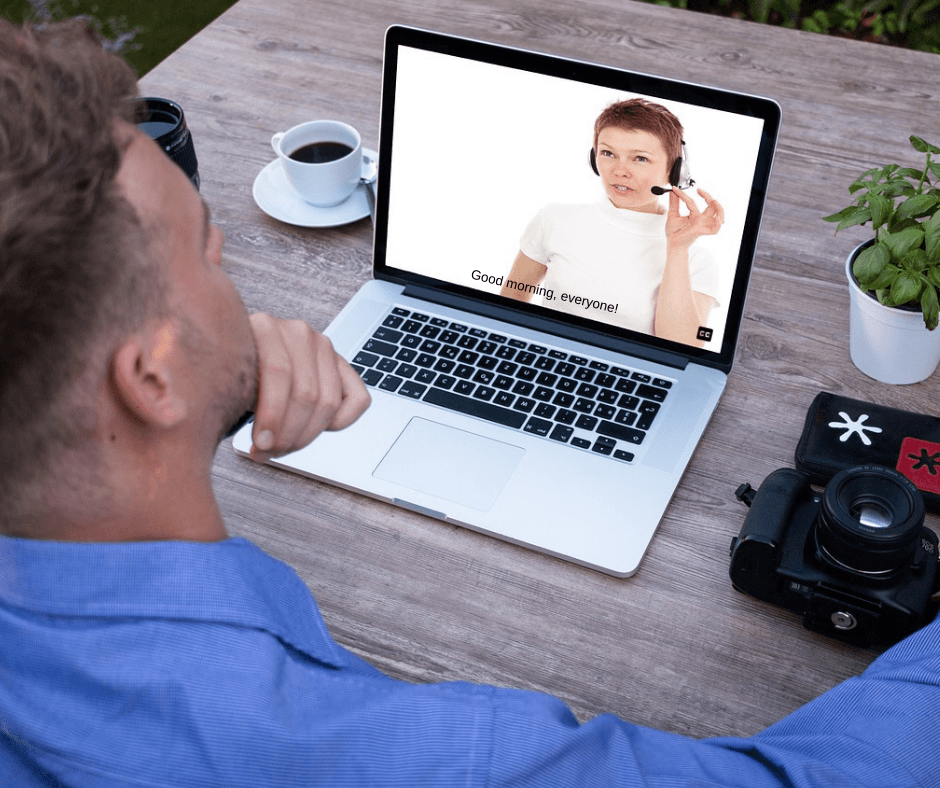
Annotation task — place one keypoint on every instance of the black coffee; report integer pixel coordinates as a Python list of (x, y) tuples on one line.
[(321, 152)]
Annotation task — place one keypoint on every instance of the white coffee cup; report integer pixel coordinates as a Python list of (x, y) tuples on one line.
[(332, 161)]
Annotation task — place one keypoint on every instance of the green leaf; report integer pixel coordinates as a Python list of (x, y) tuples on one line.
[(922, 146), (896, 187), (870, 263), (906, 288), (910, 172), (932, 236), (817, 23), (881, 208), (919, 205), (840, 215), (915, 261), (884, 281), (857, 216), (930, 307), (902, 241), (933, 277)]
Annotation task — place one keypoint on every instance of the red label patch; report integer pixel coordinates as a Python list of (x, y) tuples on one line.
[(919, 461)]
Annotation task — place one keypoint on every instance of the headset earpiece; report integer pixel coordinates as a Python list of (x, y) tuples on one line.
[(593, 159), (680, 175), (675, 174)]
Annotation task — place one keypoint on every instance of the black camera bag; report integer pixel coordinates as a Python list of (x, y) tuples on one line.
[(841, 433)]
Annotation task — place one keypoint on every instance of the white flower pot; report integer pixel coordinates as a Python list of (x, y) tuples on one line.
[(888, 344)]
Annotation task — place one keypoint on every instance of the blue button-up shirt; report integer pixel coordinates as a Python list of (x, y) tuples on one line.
[(188, 664)]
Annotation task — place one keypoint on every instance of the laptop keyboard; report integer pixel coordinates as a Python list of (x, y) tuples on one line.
[(581, 402)]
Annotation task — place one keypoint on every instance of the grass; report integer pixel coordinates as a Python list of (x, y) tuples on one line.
[(152, 29)]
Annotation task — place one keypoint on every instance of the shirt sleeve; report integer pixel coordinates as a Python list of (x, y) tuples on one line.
[(534, 243), (703, 271)]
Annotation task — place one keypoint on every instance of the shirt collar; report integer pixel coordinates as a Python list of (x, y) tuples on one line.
[(637, 222), (227, 582)]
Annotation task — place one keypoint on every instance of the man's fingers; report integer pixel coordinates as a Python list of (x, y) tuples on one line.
[(355, 397), (304, 387), (274, 382)]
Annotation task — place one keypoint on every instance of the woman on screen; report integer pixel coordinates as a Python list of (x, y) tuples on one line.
[(627, 259)]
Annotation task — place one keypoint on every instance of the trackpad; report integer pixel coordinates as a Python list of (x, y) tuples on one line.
[(450, 463)]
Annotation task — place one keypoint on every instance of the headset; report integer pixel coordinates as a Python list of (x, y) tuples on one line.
[(679, 175)]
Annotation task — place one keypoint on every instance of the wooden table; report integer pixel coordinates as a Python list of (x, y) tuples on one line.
[(674, 647)]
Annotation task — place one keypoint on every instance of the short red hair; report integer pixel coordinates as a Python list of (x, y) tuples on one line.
[(642, 115)]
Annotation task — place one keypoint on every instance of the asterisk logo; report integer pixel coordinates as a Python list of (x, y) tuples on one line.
[(851, 427), (924, 460)]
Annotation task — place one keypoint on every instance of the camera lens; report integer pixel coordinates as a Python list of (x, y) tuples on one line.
[(164, 122), (869, 520)]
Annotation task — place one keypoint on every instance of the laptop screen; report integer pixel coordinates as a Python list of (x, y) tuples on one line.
[(529, 181)]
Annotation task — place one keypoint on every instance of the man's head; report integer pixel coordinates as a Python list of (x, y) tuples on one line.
[(122, 340)]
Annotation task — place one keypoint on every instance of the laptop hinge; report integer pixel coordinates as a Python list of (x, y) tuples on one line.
[(665, 357)]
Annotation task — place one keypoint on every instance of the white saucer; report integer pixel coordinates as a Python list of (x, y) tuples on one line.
[(277, 198)]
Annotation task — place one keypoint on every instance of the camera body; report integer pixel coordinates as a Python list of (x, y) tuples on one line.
[(856, 560)]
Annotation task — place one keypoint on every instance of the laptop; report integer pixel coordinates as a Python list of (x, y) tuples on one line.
[(541, 411)]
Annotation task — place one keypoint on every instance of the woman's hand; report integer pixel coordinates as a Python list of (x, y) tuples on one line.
[(682, 231), (304, 387)]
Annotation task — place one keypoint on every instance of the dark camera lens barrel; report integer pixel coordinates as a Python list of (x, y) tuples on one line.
[(870, 520), (164, 122)]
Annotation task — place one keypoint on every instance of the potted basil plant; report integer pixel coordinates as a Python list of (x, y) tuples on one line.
[(894, 278)]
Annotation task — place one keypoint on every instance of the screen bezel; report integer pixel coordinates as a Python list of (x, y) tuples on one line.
[(605, 76)]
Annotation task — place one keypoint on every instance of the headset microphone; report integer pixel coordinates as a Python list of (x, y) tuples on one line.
[(657, 190)]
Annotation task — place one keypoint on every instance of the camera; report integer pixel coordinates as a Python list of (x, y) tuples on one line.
[(163, 121), (855, 560)]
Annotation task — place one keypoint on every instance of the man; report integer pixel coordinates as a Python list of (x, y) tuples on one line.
[(139, 645)]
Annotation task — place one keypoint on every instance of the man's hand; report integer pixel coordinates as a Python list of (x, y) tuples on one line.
[(304, 387)]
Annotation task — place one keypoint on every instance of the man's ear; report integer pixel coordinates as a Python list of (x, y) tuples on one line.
[(144, 375)]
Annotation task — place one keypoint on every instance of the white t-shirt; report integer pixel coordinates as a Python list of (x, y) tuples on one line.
[(611, 258)]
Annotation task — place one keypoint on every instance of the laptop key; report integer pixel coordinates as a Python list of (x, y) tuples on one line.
[(382, 348), (561, 433), (503, 382), (505, 399), (371, 377), (538, 426), (620, 432), (412, 389), (366, 359), (388, 334), (651, 392), (648, 411), (390, 383), (586, 423), (545, 410), (604, 446), (475, 407)]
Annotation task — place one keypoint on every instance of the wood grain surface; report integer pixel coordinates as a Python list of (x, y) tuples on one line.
[(674, 647)]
